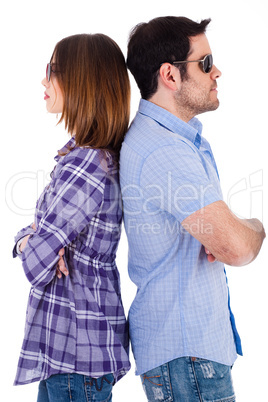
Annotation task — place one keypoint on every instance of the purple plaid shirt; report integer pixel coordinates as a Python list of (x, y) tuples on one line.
[(76, 323)]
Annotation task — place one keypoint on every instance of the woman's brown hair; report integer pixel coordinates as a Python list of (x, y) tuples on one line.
[(92, 74)]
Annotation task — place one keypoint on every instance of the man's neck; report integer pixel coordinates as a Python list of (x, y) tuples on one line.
[(169, 105)]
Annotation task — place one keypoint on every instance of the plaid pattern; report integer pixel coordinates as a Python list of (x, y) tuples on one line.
[(167, 172), (76, 323)]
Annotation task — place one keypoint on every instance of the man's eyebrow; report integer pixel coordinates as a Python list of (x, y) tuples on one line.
[(198, 58)]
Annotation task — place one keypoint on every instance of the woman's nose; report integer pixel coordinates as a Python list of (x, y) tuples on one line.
[(45, 82)]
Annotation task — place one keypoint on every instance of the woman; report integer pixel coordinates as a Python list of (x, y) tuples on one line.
[(76, 341)]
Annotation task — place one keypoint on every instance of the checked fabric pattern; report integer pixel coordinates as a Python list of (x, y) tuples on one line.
[(75, 323), (182, 306)]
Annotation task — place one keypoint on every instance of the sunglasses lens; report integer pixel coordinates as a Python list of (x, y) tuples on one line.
[(48, 71), (208, 63)]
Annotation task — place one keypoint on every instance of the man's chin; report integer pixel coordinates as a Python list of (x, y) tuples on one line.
[(215, 105), (209, 108)]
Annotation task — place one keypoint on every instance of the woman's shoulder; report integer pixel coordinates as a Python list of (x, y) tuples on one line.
[(84, 153), (98, 158)]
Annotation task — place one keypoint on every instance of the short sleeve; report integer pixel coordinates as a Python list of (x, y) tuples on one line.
[(178, 180)]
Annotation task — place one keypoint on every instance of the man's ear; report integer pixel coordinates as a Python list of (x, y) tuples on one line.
[(170, 76)]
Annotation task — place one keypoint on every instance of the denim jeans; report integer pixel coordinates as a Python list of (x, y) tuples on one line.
[(76, 388), (189, 379)]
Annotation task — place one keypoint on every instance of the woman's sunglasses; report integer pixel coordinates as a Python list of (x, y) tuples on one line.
[(206, 63), (50, 70)]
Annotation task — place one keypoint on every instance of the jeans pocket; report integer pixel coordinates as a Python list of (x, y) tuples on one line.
[(58, 388), (214, 381), (156, 384), (99, 389)]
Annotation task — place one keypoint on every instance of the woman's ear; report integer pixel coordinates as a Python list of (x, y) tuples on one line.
[(170, 76)]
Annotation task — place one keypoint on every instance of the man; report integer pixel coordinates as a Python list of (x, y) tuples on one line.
[(179, 229)]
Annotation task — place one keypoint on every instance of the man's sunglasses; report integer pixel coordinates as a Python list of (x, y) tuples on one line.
[(206, 63), (50, 70)]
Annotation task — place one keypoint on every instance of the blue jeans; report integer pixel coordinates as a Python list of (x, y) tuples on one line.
[(76, 388), (189, 379)]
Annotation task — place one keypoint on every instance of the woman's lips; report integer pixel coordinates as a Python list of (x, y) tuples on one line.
[(46, 96)]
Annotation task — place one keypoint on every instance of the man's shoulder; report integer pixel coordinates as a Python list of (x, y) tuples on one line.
[(146, 136)]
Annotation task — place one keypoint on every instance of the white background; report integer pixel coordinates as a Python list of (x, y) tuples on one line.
[(237, 132)]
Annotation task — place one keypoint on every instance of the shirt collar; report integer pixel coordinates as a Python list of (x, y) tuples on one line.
[(70, 144), (191, 130)]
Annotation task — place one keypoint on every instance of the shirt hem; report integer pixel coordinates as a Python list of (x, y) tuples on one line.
[(117, 375), (140, 372)]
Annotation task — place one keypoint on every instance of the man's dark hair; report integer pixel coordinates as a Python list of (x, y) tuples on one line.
[(163, 39)]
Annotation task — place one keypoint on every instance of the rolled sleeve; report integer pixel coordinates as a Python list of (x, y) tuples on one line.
[(70, 202), (28, 230)]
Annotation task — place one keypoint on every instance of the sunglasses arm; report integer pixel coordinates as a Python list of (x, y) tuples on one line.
[(188, 61)]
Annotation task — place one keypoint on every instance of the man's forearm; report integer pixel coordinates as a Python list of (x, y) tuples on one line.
[(232, 241), (244, 238), (256, 236)]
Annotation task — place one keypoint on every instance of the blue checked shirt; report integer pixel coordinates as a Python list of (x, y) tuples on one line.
[(76, 323), (167, 172)]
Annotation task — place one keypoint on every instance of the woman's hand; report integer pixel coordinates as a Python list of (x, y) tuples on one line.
[(26, 238), (61, 267), (23, 243)]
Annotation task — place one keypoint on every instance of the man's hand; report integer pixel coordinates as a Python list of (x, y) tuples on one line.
[(61, 267), (210, 256)]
